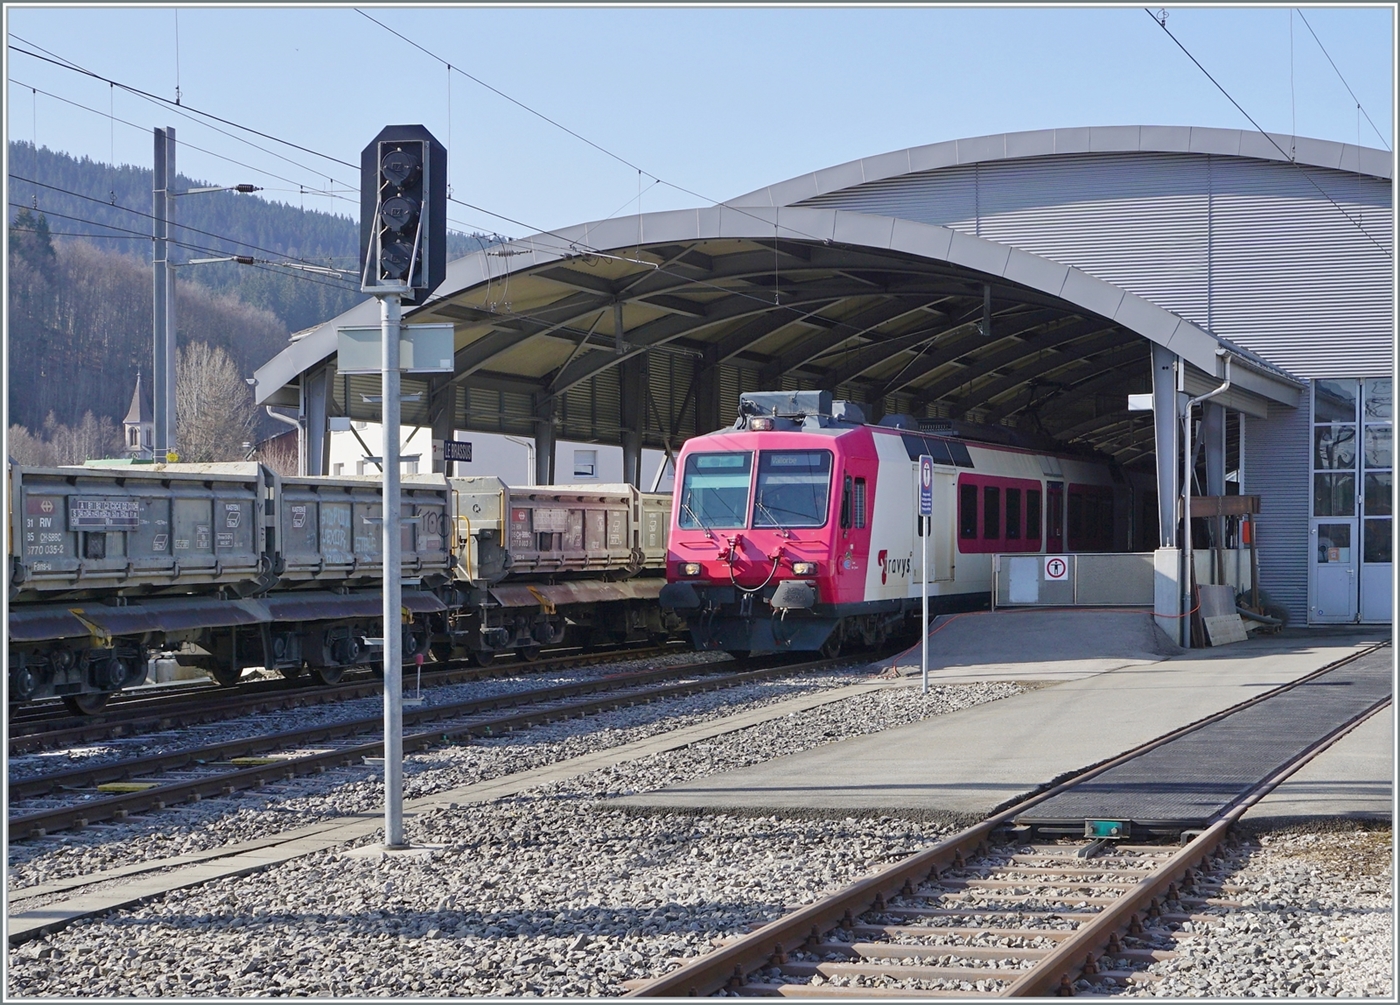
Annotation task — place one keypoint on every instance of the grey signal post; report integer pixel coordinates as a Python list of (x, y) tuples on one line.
[(925, 528), (403, 234)]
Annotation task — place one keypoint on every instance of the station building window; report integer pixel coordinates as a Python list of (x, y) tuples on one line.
[(585, 464)]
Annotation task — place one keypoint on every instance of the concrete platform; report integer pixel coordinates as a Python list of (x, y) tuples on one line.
[(1353, 779), (963, 766), (1036, 645)]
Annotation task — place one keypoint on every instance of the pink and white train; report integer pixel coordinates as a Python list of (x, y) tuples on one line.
[(797, 528)]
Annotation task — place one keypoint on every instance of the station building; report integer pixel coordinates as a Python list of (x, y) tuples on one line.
[(1029, 282)]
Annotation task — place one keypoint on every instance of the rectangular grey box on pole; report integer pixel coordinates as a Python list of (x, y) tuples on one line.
[(422, 349)]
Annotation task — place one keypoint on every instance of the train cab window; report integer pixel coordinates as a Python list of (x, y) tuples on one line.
[(1013, 514), (858, 506), (991, 512), (967, 511), (793, 488), (1033, 515), (715, 490)]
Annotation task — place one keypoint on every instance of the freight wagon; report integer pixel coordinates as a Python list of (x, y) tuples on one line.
[(234, 566)]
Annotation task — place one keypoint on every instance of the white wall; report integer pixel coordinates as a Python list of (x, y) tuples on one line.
[(509, 458)]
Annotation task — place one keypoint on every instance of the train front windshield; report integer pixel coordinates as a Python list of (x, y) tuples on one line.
[(715, 491), (792, 488)]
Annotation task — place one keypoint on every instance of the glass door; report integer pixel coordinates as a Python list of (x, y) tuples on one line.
[(1376, 500), (1333, 582)]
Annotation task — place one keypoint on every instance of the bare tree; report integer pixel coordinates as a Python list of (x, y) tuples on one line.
[(213, 405), (56, 443), (280, 453)]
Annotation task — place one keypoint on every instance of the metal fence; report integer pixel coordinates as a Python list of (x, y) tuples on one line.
[(1097, 580)]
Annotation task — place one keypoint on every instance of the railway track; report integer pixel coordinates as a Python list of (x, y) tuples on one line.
[(173, 708), (988, 913), (116, 790)]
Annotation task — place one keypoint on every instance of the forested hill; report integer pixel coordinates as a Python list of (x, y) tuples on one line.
[(110, 205)]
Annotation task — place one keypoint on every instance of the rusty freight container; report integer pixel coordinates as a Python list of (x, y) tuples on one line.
[(330, 530), (533, 561)]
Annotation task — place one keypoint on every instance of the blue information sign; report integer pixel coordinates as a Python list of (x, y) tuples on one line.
[(925, 485)]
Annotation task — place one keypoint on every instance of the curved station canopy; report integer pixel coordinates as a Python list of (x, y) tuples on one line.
[(643, 331)]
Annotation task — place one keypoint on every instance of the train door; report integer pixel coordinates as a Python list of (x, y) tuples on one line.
[(1054, 518), (857, 481), (944, 506)]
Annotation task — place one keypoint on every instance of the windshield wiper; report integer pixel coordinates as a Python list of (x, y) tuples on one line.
[(759, 503), (685, 505)]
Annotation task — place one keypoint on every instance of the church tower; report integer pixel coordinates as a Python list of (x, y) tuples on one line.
[(139, 424)]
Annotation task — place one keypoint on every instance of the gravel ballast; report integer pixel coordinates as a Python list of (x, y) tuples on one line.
[(1316, 920), (555, 892)]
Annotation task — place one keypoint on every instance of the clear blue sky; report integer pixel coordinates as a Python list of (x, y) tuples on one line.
[(717, 100)]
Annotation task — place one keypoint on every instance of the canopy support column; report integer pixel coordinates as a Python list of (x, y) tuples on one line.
[(315, 389), (544, 439), (442, 415), (1164, 418), (632, 380), (707, 417)]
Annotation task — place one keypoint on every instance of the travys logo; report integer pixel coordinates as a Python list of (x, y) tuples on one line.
[(892, 566)]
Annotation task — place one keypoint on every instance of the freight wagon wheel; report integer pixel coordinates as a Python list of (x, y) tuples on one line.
[(441, 652), (328, 675), (291, 673), (529, 654), (483, 658), (87, 704), (227, 676)]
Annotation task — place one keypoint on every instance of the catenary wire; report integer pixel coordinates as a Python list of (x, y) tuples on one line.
[(1343, 79), (68, 64), (136, 234), (570, 245), (184, 143), (615, 156), (149, 216), (330, 193), (1161, 23)]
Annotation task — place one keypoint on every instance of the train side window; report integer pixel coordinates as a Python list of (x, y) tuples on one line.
[(991, 512), (967, 511), (859, 503), (846, 502), (1013, 514), (1033, 515), (1076, 517)]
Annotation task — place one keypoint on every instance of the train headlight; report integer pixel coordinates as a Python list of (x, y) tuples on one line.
[(690, 568), (761, 424), (804, 568)]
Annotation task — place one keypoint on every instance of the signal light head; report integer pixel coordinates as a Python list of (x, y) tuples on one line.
[(399, 212), (394, 259), (400, 167)]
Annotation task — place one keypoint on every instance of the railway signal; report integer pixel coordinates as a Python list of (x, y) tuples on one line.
[(403, 257), (403, 213)]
